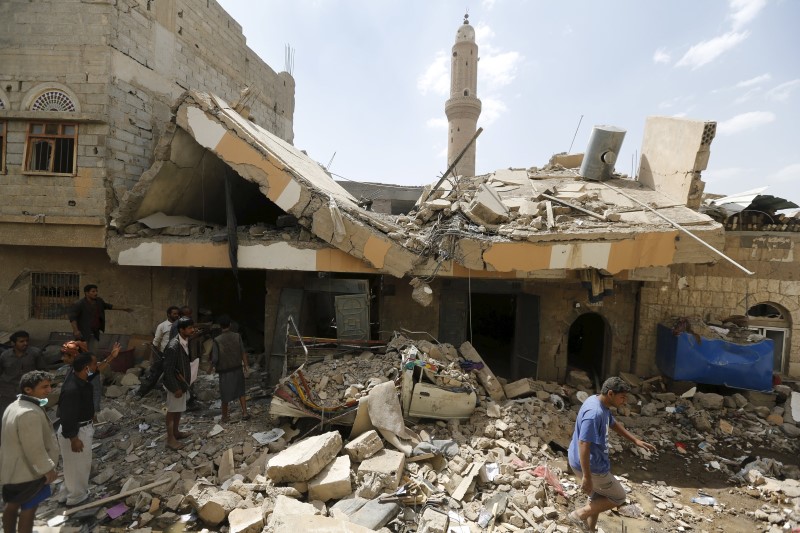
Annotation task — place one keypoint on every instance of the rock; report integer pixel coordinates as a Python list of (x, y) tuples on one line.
[(775, 420), (791, 430), (374, 514), (286, 508), (246, 520), (305, 459), (433, 521), (364, 446), (740, 400), (649, 409), (217, 508), (333, 482), (318, 524), (116, 391), (701, 421), (388, 465), (710, 400), (226, 465), (128, 380)]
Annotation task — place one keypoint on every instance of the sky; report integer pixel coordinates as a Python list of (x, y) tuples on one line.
[(372, 77)]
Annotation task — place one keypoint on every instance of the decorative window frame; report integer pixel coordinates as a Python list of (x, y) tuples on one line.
[(32, 95)]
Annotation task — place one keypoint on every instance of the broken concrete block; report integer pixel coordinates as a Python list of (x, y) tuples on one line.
[(433, 521), (226, 466), (709, 400), (246, 520), (129, 380), (305, 459), (347, 506), (386, 464), (486, 207), (485, 375), (318, 524), (216, 509), (115, 391), (521, 388), (364, 446), (374, 514), (288, 507), (333, 482)]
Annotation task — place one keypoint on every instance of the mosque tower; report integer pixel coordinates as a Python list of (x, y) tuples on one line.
[(463, 108)]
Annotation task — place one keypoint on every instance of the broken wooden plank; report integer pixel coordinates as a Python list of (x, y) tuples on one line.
[(116, 496)]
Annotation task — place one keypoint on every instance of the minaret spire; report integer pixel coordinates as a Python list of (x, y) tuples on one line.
[(463, 107)]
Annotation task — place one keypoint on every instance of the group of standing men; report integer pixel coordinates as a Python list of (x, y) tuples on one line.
[(229, 359)]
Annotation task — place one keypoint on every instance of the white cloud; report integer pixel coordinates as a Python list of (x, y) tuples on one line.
[(705, 52), (437, 123), (491, 110), (747, 96), (483, 34), (498, 70), (788, 174), (754, 81), (488, 4), (662, 56), (436, 77), (743, 11), (782, 92), (745, 121)]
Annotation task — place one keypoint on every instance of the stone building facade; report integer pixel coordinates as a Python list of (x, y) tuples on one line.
[(770, 298), (86, 90)]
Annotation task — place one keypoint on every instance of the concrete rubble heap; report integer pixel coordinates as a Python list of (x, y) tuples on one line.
[(504, 467)]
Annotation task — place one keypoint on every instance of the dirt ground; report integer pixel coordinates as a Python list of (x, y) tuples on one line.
[(692, 478)]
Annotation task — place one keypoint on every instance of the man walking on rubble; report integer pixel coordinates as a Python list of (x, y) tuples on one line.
[(14, 363), (230, 361), (588, 453), (177, 376), (28, 453), (88, 316)]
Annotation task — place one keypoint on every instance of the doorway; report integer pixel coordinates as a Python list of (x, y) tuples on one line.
[(493, 325), (586, 347), (217, 294)]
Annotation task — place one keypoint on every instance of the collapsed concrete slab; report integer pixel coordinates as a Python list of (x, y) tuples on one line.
[(333, 482), (318, 524), (306, 459)]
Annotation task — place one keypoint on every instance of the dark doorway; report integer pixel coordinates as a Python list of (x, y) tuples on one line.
[(493, 325), (586, 348), (217, 293)]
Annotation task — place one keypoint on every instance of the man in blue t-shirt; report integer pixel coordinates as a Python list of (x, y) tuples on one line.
[(588, 453)]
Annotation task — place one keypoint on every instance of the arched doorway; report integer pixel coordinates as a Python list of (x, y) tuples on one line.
[(586, 347), (773, 322)]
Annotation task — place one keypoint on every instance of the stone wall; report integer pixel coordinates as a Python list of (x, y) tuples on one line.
[(714, 292), (148, 291), (124, 63)]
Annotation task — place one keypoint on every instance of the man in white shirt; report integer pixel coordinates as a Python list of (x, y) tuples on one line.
[(162, 330)]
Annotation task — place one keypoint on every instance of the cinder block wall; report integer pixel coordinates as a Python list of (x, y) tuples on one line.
[(125, 62), (148, 291), (721, 290)]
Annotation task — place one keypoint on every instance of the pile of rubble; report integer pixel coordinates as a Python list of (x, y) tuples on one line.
[(500, 466)]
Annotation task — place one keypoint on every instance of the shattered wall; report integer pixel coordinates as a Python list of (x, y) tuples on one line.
[(714, 292), (148, 291)]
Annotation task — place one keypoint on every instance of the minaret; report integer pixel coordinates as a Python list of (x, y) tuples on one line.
[(463, 108)]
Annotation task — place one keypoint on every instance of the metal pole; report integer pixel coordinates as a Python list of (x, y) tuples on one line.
[(678, 226), (454, 163)]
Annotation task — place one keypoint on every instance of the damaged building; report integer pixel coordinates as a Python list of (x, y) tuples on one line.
[(198, 196), (86, 91)]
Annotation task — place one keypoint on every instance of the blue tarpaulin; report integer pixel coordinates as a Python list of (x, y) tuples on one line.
[(714, 361)]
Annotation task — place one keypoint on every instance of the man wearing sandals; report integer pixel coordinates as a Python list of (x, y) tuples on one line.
[(177, 373), (588, 453), (230, 362)]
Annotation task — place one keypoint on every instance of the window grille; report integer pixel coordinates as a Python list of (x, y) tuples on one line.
[(51, 147), (52, 294), (53, 101)]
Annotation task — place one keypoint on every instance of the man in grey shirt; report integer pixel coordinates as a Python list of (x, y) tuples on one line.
[(15, 362)]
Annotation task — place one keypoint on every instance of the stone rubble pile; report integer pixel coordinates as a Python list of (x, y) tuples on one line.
[(502, 469)]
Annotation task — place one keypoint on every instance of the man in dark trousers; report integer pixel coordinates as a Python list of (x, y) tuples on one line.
[(88, 316), (230, 361), (75, 431), (15, 362), (28, 454), (177, 376), (588, 453)]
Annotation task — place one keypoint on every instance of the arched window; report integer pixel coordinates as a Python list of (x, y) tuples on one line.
[(773, 322), (53, 100)]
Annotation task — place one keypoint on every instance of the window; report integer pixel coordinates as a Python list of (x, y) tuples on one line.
[(50, 148), (52, 294), (772, 322), (53, 101)]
